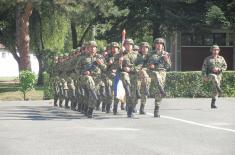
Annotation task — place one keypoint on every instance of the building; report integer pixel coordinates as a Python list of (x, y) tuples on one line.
[(188, 50)]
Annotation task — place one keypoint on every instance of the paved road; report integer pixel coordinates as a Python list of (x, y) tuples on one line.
[(186, 127)]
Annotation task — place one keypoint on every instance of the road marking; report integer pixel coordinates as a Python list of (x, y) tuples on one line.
[(195, 123), (113, 129)]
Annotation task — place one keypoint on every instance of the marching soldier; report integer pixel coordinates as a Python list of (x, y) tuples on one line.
[(143, 78), (159, 62), (91, 67), (129, 75), (112, 62), (212, 69)]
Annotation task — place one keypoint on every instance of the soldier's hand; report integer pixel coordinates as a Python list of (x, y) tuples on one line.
[(216, 70), (127, 69), (110, 62), (205, 78), (120, 59), (166, 57), (87, 73), (151, 66), (114, 70), (99, 61)]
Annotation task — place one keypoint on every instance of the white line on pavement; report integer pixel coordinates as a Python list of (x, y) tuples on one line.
[(195, 123)]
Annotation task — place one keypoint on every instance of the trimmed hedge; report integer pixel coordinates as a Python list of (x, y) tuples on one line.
[(190, 84)]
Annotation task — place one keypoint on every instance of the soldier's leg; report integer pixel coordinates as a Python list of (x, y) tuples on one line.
[(126, 83), (73, 99), (160, 82), (132, 101), (215, 88), (61, 97), (66, 98)]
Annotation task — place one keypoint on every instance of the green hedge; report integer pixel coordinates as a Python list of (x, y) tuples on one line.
[(190, 84)]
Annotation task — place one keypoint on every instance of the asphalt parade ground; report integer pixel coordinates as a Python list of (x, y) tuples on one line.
[(186, 127)]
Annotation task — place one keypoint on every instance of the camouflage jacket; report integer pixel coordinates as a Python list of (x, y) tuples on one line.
[(211, 62), (88, 63), (158, 61), (129, 60)]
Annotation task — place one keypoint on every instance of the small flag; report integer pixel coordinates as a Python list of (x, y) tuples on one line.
[(119, 90)]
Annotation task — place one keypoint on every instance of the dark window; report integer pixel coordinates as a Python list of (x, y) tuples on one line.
[(197, 40), (219, 39), (208, 39), (186, 39), (231, 39)]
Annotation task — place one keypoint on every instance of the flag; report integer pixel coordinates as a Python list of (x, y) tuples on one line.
[(119, 91)]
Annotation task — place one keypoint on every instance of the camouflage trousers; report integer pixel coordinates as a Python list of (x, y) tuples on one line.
[(56, 92), (143, 81), (91, 83), (110, 99), (215, 79), (72, 96), (158, 78), (131, 80)]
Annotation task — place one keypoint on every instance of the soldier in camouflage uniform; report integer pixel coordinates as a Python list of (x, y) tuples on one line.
[(112, 62), (212, 69), (159, 62), (55, 80), (71, 78), (143, 78), (129, 75), (91, 67)]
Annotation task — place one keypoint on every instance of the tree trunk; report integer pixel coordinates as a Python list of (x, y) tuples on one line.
[(41, 70), (22, 33), (74, 34)]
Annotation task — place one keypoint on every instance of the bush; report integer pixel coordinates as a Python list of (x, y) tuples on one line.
[(27, 81), (47, 89), (190, 84)]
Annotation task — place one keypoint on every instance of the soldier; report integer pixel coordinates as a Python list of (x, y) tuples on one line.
[(143, 78), (212, 69), (55, 79), (159, 62), (60, 82), (112, 62), (91, 67), (129, 75)]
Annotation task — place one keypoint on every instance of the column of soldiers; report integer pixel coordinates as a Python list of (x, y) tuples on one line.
[(86, 78)]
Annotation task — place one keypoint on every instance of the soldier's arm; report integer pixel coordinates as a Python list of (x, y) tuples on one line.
[(224, 65), (204, 68)]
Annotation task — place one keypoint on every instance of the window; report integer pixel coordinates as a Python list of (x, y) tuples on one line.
[(231, 39), (208, 39), (186, 39), (219, 39)]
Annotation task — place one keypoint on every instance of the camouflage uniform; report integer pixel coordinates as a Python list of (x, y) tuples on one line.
[(92, 80), (209, 64), (158, 72), (112, 62), (144, 80), (129, 79)]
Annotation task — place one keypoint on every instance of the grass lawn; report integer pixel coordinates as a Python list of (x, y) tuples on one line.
[(9, 90)]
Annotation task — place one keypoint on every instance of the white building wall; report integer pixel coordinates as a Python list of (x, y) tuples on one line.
[(9, 66)]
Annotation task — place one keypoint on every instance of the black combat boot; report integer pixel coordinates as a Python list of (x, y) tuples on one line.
[(66, 105), (103, 107), (90, 113), (142, 112), (108, 106), (213, 106), (138, 94), (85, 109), (55, 103), (98, 105), (115, 106), (130, 112), (60, 103), (156, 111)]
